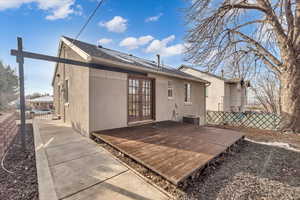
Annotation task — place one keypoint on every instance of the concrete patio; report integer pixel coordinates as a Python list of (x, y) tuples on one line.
[(80, 169)]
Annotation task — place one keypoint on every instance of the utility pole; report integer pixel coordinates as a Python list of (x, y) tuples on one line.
[(20, 61)]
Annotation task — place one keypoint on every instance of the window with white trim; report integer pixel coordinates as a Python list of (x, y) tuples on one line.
[(187, 93), (170, 90)]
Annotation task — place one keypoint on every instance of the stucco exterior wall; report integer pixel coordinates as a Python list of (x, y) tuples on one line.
[(175, 108), (76, 111), (108, 100), (227, 98), (215, 92), (238, 97)]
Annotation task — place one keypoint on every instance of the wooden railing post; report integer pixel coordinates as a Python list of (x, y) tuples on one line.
[(20, 61)]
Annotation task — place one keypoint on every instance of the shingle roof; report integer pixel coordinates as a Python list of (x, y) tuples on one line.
[(232, 80), (121, 57)]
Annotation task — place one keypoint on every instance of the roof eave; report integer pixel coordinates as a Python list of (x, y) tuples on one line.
[(80, 52), (207, 73), (137, 68)]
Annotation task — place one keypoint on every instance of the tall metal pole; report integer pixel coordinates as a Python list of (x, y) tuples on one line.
[(20, 60)]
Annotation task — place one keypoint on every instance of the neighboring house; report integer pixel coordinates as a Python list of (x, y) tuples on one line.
[(41, 103), (119, 90), (222, 94)]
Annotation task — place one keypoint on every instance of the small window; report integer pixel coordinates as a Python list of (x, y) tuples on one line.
[(170, 90), (187, 93)]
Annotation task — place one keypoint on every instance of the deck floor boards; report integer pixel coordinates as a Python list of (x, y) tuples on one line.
[(172, 149)]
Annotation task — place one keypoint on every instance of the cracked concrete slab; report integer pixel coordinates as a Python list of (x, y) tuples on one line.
[(126, 186), (71, 151), (76, 175)]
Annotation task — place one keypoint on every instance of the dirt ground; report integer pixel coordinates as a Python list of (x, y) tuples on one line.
[(267, 135), (246, 171), (22, 183)]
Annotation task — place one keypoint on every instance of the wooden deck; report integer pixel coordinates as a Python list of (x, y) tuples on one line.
[(172, 149)]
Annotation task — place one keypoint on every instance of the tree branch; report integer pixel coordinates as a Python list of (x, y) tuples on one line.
[(297, 26), (260, 48), (290, 19), (270, 14), (243, 6)]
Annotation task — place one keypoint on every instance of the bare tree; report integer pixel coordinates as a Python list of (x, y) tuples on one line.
[(265, 32), (266, 91)]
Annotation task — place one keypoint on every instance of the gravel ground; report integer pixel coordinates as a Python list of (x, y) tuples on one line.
[(250, 171), (247, 171), (22, 183)]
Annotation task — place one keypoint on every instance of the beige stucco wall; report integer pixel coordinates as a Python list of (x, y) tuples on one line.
[(175, 108), (221, 96), (76, 111), (108, 99), (227, 98), (215, 91), (238, 97)]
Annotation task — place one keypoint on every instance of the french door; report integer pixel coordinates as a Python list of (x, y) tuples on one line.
[(140, 98)]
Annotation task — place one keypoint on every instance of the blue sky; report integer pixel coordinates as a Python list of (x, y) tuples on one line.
[(141, 27)]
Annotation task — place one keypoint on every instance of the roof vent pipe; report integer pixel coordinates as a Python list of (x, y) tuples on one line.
[(158, 60), (222, 73)]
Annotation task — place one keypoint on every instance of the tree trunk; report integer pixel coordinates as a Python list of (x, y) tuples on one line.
[(290, 99)]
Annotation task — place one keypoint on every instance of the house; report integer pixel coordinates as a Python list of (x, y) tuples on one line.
[(41, 103), (222, 94), (120, 90)]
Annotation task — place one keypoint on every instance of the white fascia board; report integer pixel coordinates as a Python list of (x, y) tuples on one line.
[(80, 52)]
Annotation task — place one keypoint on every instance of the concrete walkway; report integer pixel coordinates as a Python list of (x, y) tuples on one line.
[(81, 169)]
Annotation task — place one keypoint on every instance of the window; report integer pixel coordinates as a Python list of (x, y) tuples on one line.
[(66, 91), (187, 93), (170, 90)]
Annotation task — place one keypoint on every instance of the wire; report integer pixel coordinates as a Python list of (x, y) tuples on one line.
[(84, 26), (88, 20), (2, 162)]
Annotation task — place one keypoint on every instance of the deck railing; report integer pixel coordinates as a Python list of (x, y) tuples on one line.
[(267, 121)]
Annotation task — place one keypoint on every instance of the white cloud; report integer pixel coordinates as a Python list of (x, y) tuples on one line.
[(118, 24), (134, 43), (58, 9), (153, 18), (161, 47), (104, 41)]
